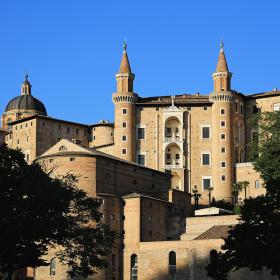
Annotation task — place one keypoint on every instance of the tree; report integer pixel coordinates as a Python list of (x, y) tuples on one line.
[(196, 195), (38, 213), (255, 242), (237, 188)]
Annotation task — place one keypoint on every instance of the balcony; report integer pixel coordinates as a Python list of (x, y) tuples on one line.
[(169, 138), (173, 164)]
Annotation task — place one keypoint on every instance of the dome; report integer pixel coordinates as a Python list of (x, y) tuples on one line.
[(26, 102)]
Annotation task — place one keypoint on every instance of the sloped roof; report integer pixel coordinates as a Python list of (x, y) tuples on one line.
[(215, 232)]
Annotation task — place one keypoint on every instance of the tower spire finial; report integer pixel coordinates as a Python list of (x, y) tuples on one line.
[(124, 45), (221, 45)]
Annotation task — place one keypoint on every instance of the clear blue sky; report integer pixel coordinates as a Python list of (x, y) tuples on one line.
[(72, 49)]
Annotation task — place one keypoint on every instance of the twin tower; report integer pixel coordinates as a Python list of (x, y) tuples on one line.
[(223, 114)]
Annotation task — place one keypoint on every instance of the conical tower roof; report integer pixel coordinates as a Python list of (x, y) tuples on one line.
[(125, 66), (222, 62)]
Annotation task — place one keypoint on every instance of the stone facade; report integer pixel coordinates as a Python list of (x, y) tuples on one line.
[(190, 255), (145, 165)]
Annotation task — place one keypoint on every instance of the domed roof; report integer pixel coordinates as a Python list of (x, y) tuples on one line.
[(26, 102)]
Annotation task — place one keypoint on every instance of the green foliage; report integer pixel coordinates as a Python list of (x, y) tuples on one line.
[(38, 212), (237, 188), (237, 210), (267, 148), (255, 242)]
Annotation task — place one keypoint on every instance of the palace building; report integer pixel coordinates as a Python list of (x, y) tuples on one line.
[(145, 165), (203, 140)]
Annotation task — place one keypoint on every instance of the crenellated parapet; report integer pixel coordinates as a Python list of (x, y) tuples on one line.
[(222, 96), (124, 98)]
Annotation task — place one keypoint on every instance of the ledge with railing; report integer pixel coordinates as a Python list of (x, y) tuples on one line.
[(173, 138)]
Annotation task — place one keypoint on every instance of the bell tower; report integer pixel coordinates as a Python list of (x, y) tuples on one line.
[(124, 100), (222, 130)]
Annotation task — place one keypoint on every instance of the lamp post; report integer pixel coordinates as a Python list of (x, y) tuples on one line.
[(209, 196), (196, 196)]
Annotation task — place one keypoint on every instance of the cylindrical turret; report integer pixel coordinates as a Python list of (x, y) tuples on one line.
[(124, 100), (222, 131)]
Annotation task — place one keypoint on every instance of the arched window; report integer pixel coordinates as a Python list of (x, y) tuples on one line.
[(8, 123), (236, 155), (213, 257), (133, 267), (62, 148), (172, 263), (53, 266)]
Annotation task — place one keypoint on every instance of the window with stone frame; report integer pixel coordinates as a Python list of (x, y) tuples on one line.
[(141, 133), (141, 159), (205, 132), (206, 159)]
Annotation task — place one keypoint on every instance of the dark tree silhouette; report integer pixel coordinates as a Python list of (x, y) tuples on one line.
[(255, 242), (38, 212)]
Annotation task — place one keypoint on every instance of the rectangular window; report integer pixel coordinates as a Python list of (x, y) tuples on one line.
[(223, 164), (53, 266), (223, 136), (124, 125), (257, 184), (206, 182), (177, 156), (223, 178), (68, 129), (223, 150), (168, 156), (205, 132), (77, 131), (236, 106), (141, 159), (241, 109), (276, 107), (205, 108), (168, 130), (124, 151), (124, 111), (43, 124), (222, 111), (223, 124), (141, 133), (72, 158), (205, 159), (124, 138)]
